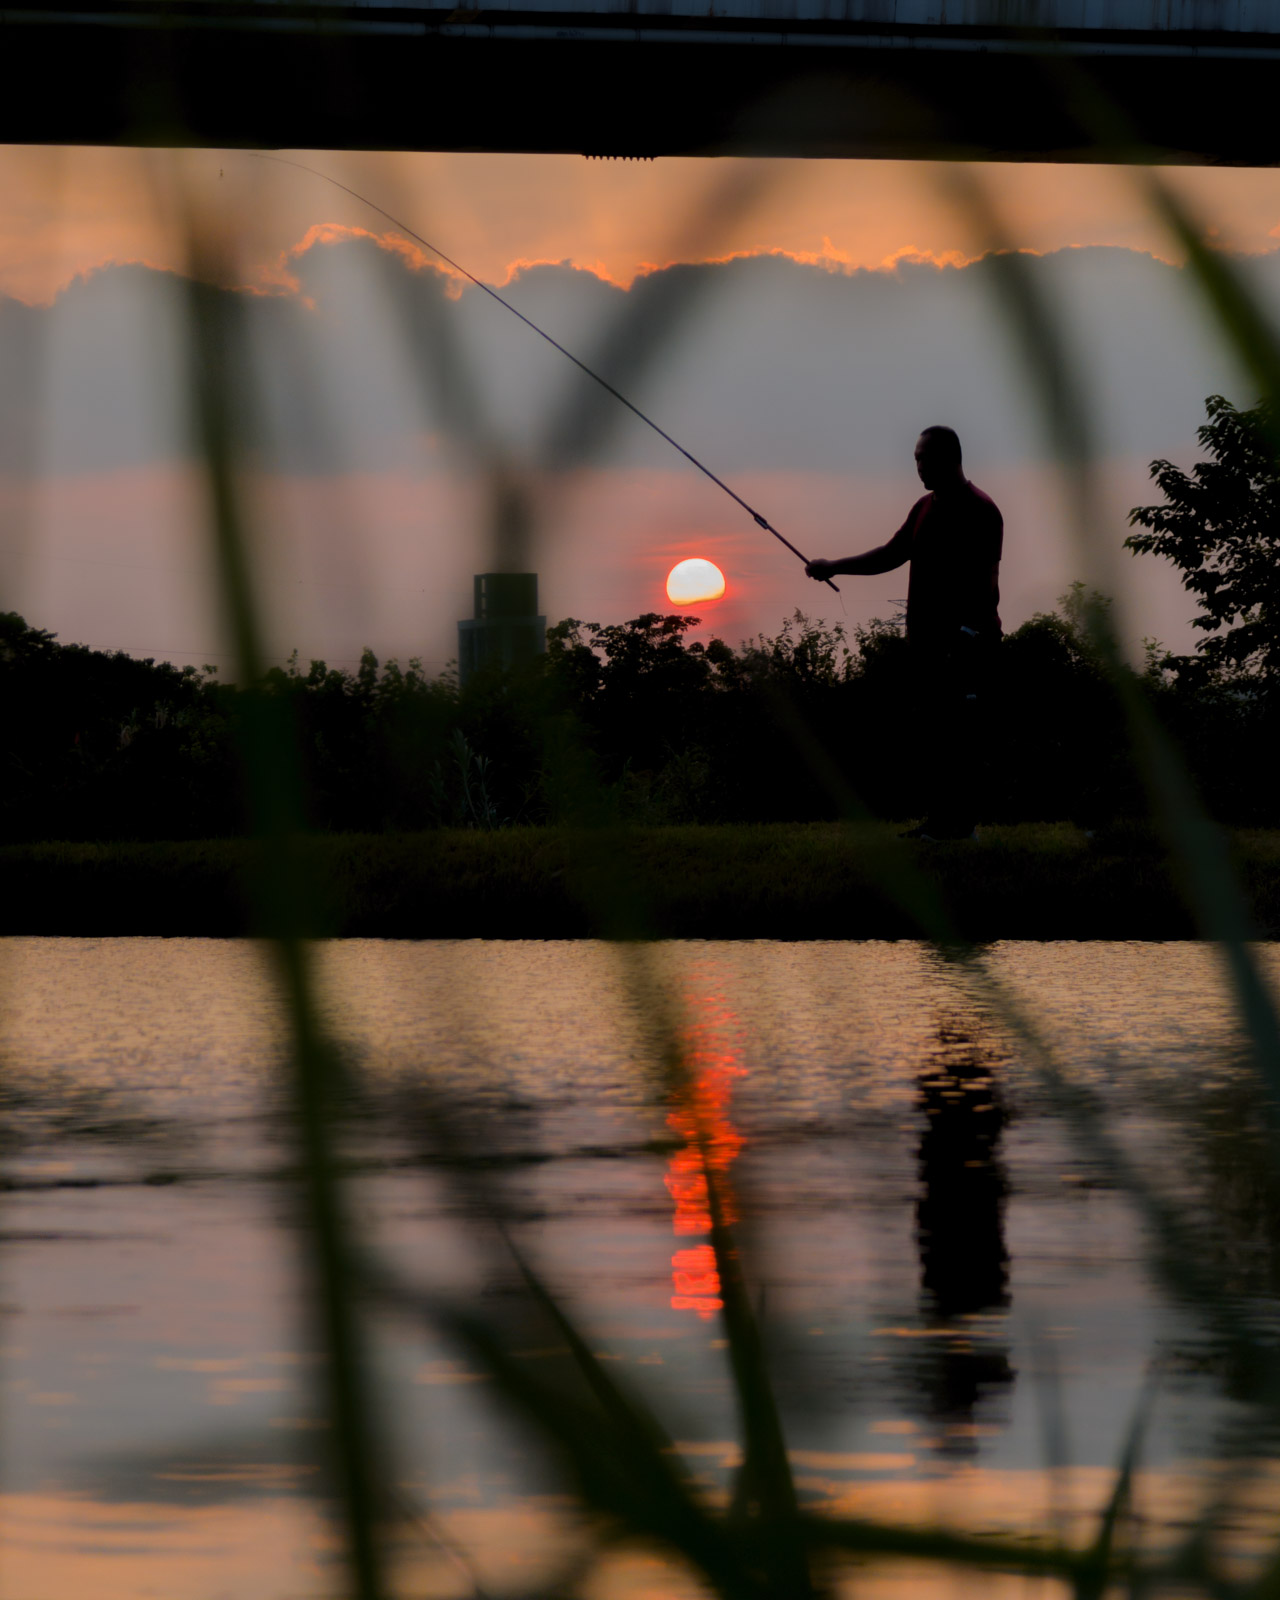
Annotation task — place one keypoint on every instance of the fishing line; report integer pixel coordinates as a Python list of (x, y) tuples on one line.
[(760, 521)]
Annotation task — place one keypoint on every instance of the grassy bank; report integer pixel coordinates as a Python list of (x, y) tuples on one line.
[(785, 882)]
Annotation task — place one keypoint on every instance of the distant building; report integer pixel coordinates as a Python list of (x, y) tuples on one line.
[(506, 628)]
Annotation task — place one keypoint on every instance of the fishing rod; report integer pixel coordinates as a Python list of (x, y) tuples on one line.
[(761, 521)]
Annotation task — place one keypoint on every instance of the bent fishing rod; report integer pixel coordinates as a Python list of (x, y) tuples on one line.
[(760, 521)]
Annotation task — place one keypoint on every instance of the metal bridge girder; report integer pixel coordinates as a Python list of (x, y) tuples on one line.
[(1006, 79)]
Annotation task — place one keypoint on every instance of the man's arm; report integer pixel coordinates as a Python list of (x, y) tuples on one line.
[(884, 558)]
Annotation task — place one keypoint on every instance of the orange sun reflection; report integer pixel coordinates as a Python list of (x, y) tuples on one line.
[(701, 1117)]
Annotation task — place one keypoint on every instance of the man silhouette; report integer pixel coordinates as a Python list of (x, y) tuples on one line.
[(952, 537)]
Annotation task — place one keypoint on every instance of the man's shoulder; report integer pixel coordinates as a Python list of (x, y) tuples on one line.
[(983, 501), (909, 532)]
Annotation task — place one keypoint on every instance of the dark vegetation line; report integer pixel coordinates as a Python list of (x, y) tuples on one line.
[(100, 746), (778, 881)]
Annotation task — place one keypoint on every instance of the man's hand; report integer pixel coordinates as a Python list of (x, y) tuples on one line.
[(821, 570)]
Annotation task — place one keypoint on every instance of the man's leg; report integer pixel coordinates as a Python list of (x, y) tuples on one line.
[(952, 806), (957, 690), (933, 671)]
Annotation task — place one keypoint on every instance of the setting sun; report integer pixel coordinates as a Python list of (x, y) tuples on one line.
[(694, 580)]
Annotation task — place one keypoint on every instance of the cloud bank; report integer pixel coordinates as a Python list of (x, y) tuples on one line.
[(760, 360)]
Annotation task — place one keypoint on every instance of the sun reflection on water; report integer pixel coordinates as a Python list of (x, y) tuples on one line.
[(701, 1117)]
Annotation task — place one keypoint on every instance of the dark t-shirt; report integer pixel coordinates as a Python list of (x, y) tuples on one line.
[(953, 542)]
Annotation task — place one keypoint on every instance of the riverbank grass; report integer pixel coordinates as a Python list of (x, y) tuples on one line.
[(821, 881)]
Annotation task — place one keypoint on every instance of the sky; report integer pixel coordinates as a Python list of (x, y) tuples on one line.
[(794, 324)]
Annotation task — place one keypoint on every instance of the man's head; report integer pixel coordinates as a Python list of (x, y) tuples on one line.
[(938, 458)]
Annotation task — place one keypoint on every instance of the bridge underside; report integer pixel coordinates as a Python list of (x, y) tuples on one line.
[(624, 85)]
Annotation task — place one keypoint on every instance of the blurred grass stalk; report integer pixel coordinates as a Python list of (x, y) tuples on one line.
[(1196, 843), (222, 408)]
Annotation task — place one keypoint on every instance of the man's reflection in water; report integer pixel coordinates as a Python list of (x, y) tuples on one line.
[(962, 1363)]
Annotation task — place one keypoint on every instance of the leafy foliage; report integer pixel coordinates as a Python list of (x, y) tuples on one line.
[(1220, 526), (96, 744)]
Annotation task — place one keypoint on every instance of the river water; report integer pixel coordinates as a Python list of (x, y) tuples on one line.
[(954, 1273)]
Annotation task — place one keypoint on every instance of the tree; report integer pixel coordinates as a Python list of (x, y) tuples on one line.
[(1220, 526)]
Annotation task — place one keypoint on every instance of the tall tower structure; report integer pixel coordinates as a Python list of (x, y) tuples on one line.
[(506, 628)]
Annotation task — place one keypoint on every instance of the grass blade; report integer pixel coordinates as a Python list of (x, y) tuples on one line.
[(220, 393)]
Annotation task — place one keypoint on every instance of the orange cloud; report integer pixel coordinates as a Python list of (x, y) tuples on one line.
[(280, 273), (829, 258), (71, 211), (913, 255), (517, 269)]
